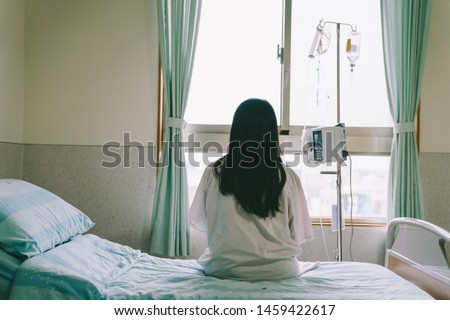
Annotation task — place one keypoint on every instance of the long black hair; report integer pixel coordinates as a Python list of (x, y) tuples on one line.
[(252, 170)]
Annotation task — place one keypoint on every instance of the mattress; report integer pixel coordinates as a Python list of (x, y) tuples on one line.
[(8, 267), (89, 267)]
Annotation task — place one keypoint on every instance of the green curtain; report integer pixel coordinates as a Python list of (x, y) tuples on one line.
[(405, 25), (178, 22)]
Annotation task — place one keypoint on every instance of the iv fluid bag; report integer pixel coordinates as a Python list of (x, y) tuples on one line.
[(353, 47), (320, 43)]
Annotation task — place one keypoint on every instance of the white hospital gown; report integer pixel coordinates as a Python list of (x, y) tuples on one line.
[(242, 246)]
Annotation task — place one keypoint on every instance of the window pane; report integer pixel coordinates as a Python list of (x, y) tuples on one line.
[(235, 58), (369, 186), (313, 81)]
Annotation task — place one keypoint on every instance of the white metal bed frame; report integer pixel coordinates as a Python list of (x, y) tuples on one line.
[(436, 284)]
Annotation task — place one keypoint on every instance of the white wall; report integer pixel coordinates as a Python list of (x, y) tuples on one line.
[(91, 71), (12, 70), (435, 97)]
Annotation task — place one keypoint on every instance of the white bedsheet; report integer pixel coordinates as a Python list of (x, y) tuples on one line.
[(93, 268)]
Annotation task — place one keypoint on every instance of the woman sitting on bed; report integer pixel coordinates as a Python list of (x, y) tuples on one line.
[(252, 207)]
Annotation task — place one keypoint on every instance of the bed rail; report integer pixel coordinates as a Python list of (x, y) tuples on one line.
[(419, 251), (414, 222)]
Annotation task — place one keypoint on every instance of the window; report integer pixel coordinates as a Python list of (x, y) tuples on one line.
[(236, 59)]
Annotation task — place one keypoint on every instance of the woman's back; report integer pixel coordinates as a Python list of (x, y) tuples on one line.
[(252, 207)]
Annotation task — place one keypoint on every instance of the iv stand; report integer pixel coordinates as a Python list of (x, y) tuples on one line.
[(338, 117)]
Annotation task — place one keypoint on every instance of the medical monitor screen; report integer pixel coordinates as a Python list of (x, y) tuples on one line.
[(318, 146)]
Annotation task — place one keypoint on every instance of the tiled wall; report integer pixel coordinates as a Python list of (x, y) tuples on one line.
[(11, 160), (118, 200), (436, 187)]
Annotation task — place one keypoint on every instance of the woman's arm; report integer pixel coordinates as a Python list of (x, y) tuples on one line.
[(299, 220), (197, 211)]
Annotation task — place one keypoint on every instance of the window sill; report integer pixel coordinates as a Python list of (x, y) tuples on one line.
[(357, 222)]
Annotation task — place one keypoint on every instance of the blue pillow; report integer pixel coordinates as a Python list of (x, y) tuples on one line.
[(34, 220)]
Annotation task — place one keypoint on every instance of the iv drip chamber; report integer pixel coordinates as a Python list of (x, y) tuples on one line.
[(353, 47)]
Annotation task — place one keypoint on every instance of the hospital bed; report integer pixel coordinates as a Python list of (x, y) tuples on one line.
[(46, 253)]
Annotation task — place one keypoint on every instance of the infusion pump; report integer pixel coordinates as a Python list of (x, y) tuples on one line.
[(325, 144)]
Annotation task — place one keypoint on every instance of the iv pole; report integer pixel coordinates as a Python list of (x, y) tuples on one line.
[(338, 118)]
